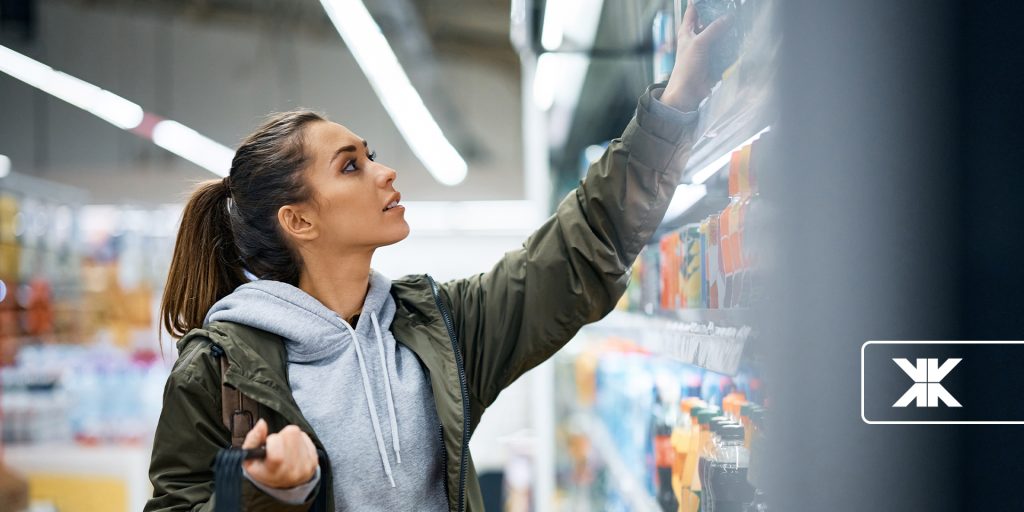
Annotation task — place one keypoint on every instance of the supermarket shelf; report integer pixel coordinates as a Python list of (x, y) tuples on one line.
[(634, 492), (60, 471), (733, 317), (712, 339), (712, 149)]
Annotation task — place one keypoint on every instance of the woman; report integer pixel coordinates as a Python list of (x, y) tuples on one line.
[(388, 378)]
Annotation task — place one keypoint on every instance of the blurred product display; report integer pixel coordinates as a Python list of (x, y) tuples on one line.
[(81, 371), (661, 406)]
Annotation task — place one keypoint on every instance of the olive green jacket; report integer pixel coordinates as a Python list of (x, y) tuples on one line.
[(474, 336)]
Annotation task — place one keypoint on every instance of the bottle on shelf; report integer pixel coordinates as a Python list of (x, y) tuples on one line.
[(757, 461), (681, 435), (727, 488), (692, 284), (663, 420)]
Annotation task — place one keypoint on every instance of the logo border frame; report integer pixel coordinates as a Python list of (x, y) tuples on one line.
[(864, 418)]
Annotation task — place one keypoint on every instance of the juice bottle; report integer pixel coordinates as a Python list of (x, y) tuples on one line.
[(681, 444), (698, 413), (692, 289), (727, 227), (738, 225), (671, 252), (713, 263)]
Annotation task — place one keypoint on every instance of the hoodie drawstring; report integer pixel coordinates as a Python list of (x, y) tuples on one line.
[(371, 404), (387, 388)]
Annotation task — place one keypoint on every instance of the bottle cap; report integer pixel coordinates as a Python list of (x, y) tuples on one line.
[(730, 432), (718, 422), (704, 416)]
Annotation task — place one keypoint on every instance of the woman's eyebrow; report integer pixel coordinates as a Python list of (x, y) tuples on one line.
[(346, 149)]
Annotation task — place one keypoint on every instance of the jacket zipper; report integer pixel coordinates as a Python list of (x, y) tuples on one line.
[(461, 506), (444, 457)]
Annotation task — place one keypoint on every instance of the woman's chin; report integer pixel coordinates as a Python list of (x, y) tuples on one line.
[(398, 236)]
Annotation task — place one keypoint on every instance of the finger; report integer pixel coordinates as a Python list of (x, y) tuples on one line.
[(256, 436), (275, 451), (714, 31), (690, 18), (311, 448)]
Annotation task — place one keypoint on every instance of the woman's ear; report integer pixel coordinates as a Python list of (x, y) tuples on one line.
[(298, 222)]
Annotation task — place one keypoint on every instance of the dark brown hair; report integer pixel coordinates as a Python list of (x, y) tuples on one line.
[(230, 226)]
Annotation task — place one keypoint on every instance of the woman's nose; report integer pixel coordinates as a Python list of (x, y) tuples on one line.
[(386, 175)]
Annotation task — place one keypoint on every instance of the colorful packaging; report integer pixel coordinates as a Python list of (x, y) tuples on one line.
[(671, 264), (713, 261), (692, 280)]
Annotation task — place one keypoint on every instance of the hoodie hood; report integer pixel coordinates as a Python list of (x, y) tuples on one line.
[(311, 331), (338, 373)]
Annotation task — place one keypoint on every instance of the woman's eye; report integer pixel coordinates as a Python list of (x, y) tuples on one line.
[(372, 156), (350, 166)]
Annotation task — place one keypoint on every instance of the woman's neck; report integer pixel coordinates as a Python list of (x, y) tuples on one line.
[(340, 283)]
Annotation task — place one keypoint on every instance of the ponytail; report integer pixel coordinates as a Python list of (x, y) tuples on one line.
[(216, 245), (205, 266)]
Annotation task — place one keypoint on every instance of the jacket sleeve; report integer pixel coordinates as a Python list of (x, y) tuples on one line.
[(573, 269), (188, 435)]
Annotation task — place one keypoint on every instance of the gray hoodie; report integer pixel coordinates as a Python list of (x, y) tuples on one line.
[(366, 396)]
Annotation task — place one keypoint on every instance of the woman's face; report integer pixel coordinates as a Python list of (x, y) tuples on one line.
[(353, 204)]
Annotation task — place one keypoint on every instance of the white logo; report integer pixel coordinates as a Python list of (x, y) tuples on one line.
[(926, 391)]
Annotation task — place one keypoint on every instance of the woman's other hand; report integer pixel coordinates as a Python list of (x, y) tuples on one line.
[(291, 456), (690, 81)]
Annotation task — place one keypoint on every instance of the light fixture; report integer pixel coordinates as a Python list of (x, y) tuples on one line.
[(193, 146), (717, 164), (545, 78), (552, 34), (684, 198), (104, 104), (170, 135), (5, 166), (375, 57)]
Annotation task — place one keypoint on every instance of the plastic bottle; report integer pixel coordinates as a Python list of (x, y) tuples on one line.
[(664, 456), (681, 444), (757, 461), (726, 473), (708, 454)]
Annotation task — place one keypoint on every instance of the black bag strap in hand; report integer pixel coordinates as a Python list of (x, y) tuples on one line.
[(227, 479)]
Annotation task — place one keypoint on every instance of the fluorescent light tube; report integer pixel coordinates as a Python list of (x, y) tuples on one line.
[(104, 104), (170, 135), (711, 169), (684, 198), (552, 34), (193, 146), (405, 106)]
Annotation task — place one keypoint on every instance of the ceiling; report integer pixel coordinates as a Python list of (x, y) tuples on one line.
[(218, 66), (455, 27)]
